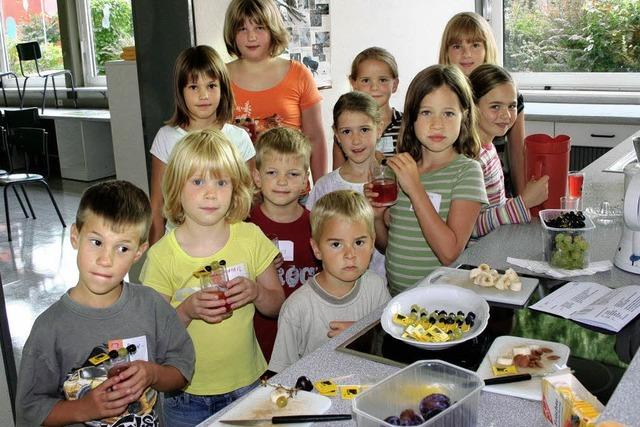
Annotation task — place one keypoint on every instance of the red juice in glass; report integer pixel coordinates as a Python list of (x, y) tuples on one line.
[(387, 190), (117, 369), (575, 184)]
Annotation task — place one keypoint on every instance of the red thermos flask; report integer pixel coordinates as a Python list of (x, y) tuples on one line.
[(545, 155)]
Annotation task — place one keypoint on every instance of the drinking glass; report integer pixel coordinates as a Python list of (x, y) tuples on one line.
[(568, 202), (384, 183), (575, 182), (215, 280)]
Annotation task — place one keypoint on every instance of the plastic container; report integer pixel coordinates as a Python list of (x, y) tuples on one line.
[(546, 155), (566, 248), (406, 388)]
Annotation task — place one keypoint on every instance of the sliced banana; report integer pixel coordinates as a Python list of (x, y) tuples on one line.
[(474, 273), (485, 276), (503, 283), (484, 267), (486, 280), (516, 286)]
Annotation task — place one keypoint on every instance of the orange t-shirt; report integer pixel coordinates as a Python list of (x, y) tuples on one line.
[(281, 105)]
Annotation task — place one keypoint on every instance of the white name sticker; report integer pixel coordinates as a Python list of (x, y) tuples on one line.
[(140, 343), (286, 249), (238, 270), (385, 145), (435, 199)]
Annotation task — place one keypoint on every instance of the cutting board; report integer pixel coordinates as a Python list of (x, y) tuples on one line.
[(457, 277), (532, 389), (258, 404)]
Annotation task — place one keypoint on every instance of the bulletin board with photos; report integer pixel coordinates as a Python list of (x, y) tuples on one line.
[(309, 24)]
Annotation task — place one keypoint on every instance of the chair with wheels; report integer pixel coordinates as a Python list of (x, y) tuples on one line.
[(31, 142), (30, 51)]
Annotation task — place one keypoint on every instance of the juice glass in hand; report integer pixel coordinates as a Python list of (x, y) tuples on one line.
[(384, 183), (216, 279)]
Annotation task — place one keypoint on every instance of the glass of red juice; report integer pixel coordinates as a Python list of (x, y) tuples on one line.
[(575, 183), (384, 183), (217, 282)]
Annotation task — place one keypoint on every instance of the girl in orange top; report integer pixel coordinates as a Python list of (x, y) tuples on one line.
[(271, 91)]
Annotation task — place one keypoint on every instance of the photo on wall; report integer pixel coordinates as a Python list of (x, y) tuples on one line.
[(308, 23)]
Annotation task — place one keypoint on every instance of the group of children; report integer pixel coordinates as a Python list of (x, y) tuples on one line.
[(218, 201)]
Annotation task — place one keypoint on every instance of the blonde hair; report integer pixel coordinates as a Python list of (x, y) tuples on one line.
[(284, 141), (425, 82), (358, 102), (260, 12), (468, 26), (348, 205), (377, 54), (208, 152), (118, 203), (190, 64)]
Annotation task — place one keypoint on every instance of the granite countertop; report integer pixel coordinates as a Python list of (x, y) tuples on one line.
[(495, 410)]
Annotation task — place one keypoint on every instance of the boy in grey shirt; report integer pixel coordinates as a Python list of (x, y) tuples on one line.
[(100, 354), (344, 291)]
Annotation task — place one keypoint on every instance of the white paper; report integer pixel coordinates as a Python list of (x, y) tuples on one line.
[(593, 304)]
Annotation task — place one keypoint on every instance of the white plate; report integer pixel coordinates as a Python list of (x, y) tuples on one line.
[(459, 277), (257, 404), (532, 389), (436, 297)]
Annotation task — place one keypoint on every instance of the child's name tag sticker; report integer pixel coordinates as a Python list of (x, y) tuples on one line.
[(141, 352), (385, 145), (286, 249), (238, 270), (435, 199)]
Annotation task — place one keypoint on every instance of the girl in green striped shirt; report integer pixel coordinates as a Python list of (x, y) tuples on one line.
[(442, 185)]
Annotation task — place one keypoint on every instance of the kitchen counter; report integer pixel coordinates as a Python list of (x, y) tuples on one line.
[(623, 114), (495, 409)]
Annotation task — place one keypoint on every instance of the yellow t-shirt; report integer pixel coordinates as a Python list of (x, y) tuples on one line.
[(227, 354)]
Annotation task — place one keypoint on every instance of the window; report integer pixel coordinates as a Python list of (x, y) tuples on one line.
[(569, 44), (31, 20), (106, 26)]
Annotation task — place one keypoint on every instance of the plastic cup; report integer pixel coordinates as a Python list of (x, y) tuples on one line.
[(571, 203), (217, 283), (384, 183)]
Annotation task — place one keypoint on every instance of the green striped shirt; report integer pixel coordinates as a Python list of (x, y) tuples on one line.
[(409, 258)]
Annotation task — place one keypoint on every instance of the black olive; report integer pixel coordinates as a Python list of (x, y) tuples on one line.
[(304, 383)]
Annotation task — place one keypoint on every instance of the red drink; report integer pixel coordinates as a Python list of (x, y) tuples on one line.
[(575, 184), (387, 190), (220, 294), (116, 370)]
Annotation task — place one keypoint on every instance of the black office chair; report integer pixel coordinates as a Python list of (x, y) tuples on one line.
[(30, 51), (31, 142)]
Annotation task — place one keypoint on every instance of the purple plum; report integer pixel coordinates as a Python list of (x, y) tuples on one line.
[(433, 404)]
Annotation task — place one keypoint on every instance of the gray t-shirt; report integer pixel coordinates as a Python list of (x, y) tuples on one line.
[(63, 337), (304, 317)]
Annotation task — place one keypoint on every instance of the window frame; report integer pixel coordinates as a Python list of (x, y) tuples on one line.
[(493, 11), (87, 50)]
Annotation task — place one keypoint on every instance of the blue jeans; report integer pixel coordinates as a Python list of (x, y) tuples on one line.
[(182, 409)]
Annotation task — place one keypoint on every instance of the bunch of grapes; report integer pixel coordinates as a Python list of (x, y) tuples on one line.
[(569, 251), (567, 220)]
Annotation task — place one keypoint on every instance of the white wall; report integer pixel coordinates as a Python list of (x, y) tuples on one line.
[(409, 29)]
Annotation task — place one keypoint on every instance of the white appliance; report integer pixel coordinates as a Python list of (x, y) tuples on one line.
[(628, 254)]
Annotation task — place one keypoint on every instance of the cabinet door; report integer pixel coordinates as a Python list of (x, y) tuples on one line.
[(534, 126), (600, 135)]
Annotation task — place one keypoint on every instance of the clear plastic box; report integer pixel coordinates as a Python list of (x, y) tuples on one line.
[(567, 248), (406, 388)]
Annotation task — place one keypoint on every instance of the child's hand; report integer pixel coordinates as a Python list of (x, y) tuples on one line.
[(536, 192), (241, 291), (337, 326), (136, 378), (378, 208), (407, 175), (103, 401), (205, 305)]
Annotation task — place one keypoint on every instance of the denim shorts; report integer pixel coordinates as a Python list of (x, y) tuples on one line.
[(182, 409)]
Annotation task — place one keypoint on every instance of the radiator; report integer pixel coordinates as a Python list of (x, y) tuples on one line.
[(583, 156)]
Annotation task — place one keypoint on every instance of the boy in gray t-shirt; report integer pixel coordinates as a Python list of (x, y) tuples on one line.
[(102, 352), (344, 291)]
